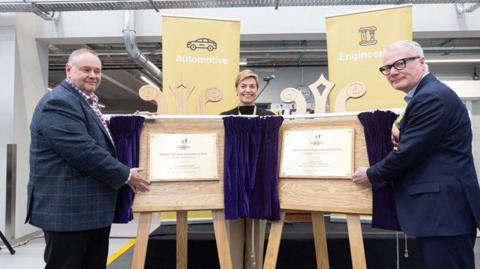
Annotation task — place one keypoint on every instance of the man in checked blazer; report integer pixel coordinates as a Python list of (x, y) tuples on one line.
[(74, 172), (432, 170)]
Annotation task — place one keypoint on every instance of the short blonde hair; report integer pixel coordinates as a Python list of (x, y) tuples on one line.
[(247, 73)]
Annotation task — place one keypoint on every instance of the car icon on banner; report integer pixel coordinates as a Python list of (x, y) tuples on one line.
[(202, 43)]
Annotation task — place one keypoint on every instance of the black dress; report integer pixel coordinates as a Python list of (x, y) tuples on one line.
[(247, 110)]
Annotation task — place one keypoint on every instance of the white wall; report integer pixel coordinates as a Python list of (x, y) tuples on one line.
[(31, 80), (23, 73), (468, 90), (7, 77)]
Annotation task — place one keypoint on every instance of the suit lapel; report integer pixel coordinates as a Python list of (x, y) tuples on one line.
[(425, 80), (92, 113), (97, 120)]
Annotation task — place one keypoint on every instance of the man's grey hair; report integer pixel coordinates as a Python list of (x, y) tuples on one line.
[(413, 46), (79, 52)]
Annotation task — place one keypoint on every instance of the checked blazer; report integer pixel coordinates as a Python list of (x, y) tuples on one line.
[(74, 173)]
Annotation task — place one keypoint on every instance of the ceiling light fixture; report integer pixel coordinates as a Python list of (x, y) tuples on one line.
[(472, 60), (243, 61)]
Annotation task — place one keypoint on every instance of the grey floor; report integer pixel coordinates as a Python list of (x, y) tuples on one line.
[(30, 255)]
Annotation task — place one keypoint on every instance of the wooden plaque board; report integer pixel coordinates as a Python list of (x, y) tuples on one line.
[(337, 195), (324, 146), (196, 194)]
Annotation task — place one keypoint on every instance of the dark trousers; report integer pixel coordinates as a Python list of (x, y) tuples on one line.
[(77, 250), (448, 252)]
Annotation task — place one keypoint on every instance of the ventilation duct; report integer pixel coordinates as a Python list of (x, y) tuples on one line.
[(151, 70)]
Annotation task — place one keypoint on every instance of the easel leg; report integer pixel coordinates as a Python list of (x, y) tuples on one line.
[(274, 243), (236, 233), (182, 239), (140, 251), (320, 237), (222, 239), (7, 244), (357, 249)]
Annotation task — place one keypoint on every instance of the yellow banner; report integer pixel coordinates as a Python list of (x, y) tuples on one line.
[(200, 62), (355, 44)]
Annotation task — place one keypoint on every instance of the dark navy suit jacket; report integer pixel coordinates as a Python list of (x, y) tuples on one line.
[(74, 173), (435, 182)]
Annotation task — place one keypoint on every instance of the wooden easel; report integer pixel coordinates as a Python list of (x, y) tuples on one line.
[(182, 196), (317, 196)]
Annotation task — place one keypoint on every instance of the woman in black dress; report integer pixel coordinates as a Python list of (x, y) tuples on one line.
[(246, 234)]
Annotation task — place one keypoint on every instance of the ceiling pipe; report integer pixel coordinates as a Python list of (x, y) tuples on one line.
[(151, 70), (43, 13), (153, 5), (461, 9)]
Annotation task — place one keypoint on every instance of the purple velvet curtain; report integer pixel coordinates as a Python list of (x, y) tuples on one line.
[(251, 167), (378, 129), (126, 132)]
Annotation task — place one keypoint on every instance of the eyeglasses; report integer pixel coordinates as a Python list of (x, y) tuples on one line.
[(398, 65)]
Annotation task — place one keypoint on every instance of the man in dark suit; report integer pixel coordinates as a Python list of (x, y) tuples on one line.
[(432, 170), (74, 173)]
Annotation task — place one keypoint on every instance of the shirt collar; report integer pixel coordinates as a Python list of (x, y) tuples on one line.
[(91, 99), (412, 91)]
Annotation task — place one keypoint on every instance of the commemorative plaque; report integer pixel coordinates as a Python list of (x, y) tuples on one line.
[(317, 153), (175, 157)]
